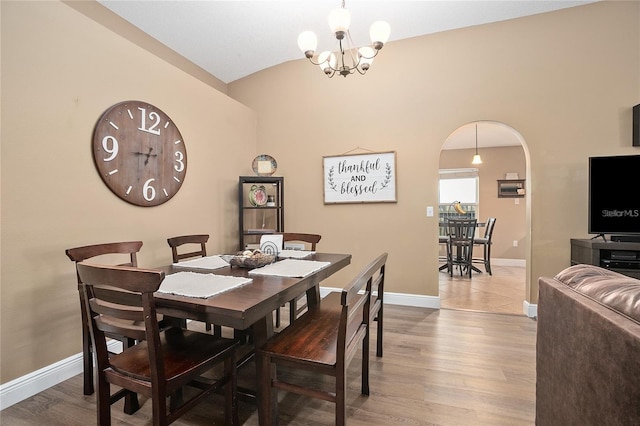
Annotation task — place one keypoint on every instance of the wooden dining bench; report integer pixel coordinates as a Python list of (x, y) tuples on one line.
[(323, 341)]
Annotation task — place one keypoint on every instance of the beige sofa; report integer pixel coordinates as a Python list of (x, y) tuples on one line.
[(588, 348)]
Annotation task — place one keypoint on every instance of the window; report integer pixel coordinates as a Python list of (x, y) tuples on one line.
[(458, 185)]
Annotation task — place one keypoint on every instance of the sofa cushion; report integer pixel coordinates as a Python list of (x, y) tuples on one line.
[(611, 289)]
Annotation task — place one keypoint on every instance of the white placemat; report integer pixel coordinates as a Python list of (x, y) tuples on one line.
[(203, 286), (209, 262), (290, 268), (294, 254)]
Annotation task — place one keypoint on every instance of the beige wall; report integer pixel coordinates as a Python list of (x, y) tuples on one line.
[(510, 217), (565, 81), (60, 71)]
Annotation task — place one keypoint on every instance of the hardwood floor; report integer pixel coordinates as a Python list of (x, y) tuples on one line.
[(440, 367), (502, 292)]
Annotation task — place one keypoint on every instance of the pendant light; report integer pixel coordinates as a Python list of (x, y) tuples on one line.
[(476, 158)]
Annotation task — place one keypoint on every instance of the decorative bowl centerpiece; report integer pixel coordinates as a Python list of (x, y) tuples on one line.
[(250, 259)]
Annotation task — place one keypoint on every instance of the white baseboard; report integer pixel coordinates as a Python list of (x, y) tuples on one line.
[(402, 299), (509, 262), (530, 309), (28, 385)]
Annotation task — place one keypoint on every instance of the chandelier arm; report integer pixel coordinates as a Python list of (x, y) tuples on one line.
[(375, 53), (314, 63)]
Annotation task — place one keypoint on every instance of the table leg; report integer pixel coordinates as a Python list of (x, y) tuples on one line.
[(313, 296), (262, 330)]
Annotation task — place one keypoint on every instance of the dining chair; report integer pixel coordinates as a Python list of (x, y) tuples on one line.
[(178, 250), (460, 245), (183, 247), (376, 289), (164, 361), (485, 242), (323, 341), (117, 252), (310, 241), (442, 242)]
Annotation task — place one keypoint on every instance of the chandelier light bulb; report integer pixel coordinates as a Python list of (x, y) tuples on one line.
[(379, 33), (327, 62), (366, 54), (339, 21), (307, 42)]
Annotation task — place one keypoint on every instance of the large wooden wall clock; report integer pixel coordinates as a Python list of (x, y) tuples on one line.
[(139, 153)]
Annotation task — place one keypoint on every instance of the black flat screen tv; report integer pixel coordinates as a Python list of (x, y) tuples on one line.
[(614, 197)]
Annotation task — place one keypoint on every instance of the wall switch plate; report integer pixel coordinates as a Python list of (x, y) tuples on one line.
[(429, 211), (515, 243)]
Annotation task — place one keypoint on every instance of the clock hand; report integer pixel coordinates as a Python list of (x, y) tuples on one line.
[(149, 154)]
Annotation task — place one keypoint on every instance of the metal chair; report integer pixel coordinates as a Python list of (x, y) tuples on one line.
[(485, 242), (442, 241), (460, 245)]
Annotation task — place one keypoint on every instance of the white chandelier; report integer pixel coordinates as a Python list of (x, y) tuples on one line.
[(347, 60)]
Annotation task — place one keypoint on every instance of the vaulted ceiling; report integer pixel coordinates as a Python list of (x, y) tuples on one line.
[(233, 39)]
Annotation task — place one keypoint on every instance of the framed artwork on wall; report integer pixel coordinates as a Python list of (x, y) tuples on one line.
[(360, 178)]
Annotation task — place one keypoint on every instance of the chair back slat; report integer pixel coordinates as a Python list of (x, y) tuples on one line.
[(126, 311), (176, 244), (311, 239), (106, 326)]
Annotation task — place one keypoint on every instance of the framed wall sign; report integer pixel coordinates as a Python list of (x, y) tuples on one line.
[(360, 178)]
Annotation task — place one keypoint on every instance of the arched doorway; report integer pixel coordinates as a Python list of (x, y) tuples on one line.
[(504, 157)]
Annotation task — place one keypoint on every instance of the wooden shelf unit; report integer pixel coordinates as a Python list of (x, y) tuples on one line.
[(622, 257), (255, 221)]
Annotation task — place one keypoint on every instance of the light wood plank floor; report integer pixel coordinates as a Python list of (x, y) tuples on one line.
[(502, 292), (440, 367)]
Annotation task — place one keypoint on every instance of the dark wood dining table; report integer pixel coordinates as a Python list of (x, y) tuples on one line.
[(250, 305)]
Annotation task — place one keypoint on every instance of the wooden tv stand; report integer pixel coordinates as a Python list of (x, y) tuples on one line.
[(622, 257)]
